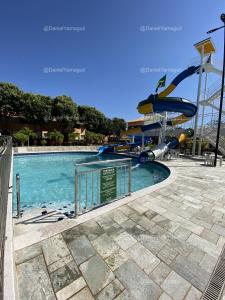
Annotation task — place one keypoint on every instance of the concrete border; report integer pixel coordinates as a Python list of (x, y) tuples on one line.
[(9, 283), (28, 239), (44, 149)]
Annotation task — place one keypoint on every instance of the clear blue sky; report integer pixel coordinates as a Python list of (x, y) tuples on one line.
[(112, 49)]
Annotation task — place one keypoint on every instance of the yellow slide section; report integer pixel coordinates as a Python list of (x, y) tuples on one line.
[(167, 91)]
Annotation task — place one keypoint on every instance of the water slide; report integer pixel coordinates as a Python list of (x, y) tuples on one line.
[(117, 147), (160, 103)]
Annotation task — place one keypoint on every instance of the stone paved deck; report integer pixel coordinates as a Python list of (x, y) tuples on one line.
[(161, 246)]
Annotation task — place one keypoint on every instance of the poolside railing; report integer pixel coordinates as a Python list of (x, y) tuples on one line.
[(101, 182), (5, 167)]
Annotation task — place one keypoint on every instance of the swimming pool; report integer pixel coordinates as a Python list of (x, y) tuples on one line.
[(47, 179)]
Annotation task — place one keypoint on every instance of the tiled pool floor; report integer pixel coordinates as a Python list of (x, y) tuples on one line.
[(161, 246)]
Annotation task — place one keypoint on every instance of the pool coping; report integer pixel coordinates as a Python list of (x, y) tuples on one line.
[(9, 282), (28, 239)]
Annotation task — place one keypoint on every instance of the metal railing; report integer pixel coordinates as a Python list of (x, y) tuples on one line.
[(210, 132), (101, 182), (5, 167)]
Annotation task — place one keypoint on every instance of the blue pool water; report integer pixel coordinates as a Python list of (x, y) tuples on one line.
[(48, 179)]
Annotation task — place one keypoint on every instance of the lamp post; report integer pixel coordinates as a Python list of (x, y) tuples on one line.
[(222, 17)]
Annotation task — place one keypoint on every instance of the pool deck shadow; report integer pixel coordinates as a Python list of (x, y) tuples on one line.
[(161, 244), (34, 220)]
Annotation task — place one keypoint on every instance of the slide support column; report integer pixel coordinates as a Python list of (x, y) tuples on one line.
[(203, 115), (198, 99)]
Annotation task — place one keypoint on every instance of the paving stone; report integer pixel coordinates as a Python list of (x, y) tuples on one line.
[(182, 233), (115, 230), (140, 208), (204, 245), (72, 234), (126, 210), (151, 242), (193, 294), (84, 294), (81, 249), (60, 263), (92, 229), (71, 289), (150, 214), (146, 223), (197, 229), (64, 276), (128, 224), (105, 222), (172, 226), (201, 222), (125, 240), (183, 214), (156, 208), (210, 236), (164, 296), (167, 254), (137, 283), (123, 296), (119, 217), (33, 280), (191, 271), (136, 231), (105, 245), (143, 257), (175, 286), (28, 253), (180, 246), (158, 219), (160, 273), (196, 255), (111, 291), (136, 217), (54, 249), (218, 229), (117, 259), (221, 242), (169, 215), (96, 273), (157, 230), (208, 263)]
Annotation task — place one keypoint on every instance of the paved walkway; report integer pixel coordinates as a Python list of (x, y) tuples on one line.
[(162, 246)]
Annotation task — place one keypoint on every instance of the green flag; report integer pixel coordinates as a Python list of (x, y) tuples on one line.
[(161, 83)]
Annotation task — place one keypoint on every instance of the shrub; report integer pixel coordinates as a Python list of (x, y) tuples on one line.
[(56, 136), (73, 137), (43, 142), (21, 137)]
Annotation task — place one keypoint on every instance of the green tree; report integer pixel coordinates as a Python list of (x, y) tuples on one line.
[(43, 142), (93, 119), (21, 137), (24, 135), (108, 128), (99, 138), (119, 125), (10, 99), (36, 108), (28, 132), (93, 138), (73, 137), (65, 111), (56, 136)]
